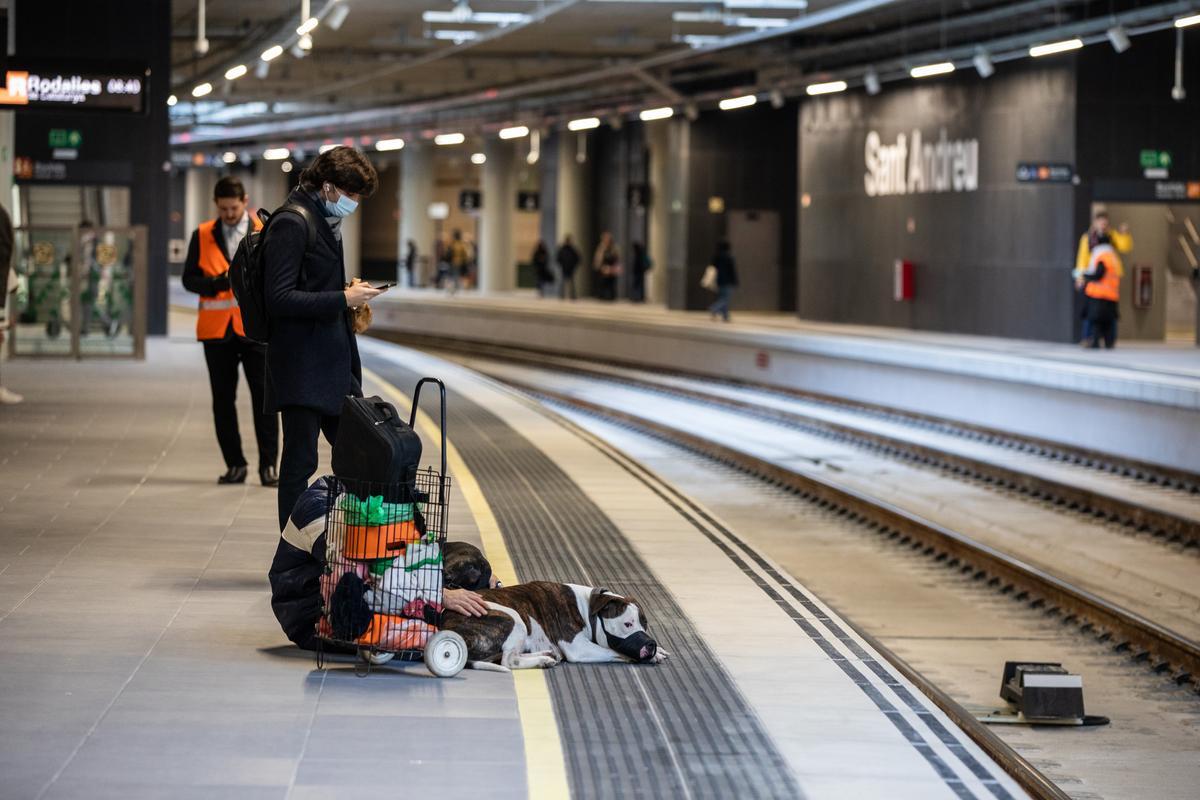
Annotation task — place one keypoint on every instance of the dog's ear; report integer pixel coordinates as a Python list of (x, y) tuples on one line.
[(607, 605)]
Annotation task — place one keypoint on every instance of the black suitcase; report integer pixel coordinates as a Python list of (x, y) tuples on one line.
[(376, 447)]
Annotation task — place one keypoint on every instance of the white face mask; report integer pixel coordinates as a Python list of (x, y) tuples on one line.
[(344, 206)]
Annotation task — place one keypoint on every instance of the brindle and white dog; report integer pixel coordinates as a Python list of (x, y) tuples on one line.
[(539, 624)]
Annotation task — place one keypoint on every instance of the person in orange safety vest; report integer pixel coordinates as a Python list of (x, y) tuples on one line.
[(219, 329), (1102, 286)]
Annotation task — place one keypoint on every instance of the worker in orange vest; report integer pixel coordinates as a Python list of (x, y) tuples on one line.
[(1102, 286), (219, 328)]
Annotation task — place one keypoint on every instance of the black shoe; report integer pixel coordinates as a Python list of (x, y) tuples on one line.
[(268, 476), (234, 475)]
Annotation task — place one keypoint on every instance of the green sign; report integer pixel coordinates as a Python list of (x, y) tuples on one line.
[(64, 137), (1150, 159)]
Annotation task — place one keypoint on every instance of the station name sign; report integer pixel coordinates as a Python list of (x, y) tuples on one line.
[(913, 166), (61, 89)]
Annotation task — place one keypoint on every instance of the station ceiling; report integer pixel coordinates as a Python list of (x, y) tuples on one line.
[(386, 65)]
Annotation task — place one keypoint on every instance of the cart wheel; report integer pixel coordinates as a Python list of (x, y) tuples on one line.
[(446, 654), (375, 657)]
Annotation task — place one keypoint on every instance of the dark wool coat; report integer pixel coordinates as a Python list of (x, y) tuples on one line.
[(312, 356)]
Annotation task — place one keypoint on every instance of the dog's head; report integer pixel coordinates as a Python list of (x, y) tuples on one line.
[(618, 623), (464, 567)]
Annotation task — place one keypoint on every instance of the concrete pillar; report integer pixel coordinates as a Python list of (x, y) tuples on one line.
[(416, 193), (658, 141), (574, 198), (198, 197), (269, 189), (675, 200), (497, 264)]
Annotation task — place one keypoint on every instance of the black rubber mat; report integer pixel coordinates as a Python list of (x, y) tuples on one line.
[(680, 729)]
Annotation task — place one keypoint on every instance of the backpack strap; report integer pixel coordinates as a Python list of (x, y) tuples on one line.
[(304, 214)]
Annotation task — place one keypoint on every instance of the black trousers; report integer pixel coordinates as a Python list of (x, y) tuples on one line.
[(223, 357), (301, 429)]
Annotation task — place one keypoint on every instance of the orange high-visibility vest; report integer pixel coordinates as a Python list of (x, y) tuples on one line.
[(1109, 286), (218, 311)]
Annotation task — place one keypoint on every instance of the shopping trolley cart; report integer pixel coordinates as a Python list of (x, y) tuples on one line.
[(381, 587)]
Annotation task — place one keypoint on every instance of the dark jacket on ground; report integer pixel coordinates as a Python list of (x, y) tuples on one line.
[(726, 270), (568, 259), (295, 572), (312, 357)]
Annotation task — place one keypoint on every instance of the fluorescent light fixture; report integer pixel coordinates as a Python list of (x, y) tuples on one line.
[(871, 82), (286, 166), (229, 157), (773, 5), (829, 87), (172, 100), (1118, 38), (272, 53), (478, 159), (276, 153), (744, 101), (456, 36), (713, 16), (325, 148), (338, 16), (449, 138), (584, 124), (651, 114), (389, 144), (233, 73), (468, 17), (304, 42), (1184, 22), (308, 26), (983, 64), (756, 22), (929, 70), (202, 90), (515, 132), (697, 41), (1055, 47)]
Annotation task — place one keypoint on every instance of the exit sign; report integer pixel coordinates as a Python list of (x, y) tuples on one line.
[(1155, 159), (65, 137)]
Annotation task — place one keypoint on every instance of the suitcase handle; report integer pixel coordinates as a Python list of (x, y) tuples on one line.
[(412, 419)]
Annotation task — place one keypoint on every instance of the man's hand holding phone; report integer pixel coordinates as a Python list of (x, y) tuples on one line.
[(359, 292)]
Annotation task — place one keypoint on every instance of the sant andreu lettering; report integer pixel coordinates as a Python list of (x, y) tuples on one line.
[(912, 167)]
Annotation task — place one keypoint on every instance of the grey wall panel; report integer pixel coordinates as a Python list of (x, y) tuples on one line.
[(993, 261)]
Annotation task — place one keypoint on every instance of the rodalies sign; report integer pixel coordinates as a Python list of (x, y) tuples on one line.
[(60, 89), (911, 166)]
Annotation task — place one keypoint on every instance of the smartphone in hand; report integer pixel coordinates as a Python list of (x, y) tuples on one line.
[(382, 286)]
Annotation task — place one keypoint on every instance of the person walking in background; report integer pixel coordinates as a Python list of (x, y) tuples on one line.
[(219, 329), (726, 280), (541, 269), (312, 356), (607, 264), (8, 299), (641, 265), (1101, 283), (568, 260), (1120, 241), (459, 257), (410, 264)]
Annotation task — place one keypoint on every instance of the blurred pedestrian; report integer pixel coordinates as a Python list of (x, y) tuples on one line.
[(410, 264), (543, 274), (459, 257), (726, 280), (640, 266), (8, 298), (1120, 241), (568, 260), (606, 262), (312, 355), (219, 329), (1101, 283)]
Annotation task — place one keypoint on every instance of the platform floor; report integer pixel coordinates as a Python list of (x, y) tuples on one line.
[(140, 658)]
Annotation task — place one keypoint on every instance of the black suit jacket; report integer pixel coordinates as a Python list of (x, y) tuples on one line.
[(312, 356)]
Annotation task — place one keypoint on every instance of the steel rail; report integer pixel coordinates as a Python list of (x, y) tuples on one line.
[(1149, 641)]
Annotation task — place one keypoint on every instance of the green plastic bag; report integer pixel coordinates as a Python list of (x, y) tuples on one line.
[(373, 511)]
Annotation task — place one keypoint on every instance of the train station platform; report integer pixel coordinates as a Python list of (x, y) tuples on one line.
[(141, 658), (1145, 397)]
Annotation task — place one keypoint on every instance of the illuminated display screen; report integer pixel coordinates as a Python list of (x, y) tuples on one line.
[(66, 88)]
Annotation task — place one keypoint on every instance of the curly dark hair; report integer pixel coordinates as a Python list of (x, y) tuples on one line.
[(346, 168)]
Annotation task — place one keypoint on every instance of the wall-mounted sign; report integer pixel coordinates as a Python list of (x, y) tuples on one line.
[(62, 86), (1154, 159), (470, 199), (65, 169), (64, 137), (528, 201), (1044, 173), (911, 166)]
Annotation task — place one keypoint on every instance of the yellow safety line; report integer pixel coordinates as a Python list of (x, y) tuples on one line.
[(545, 767)]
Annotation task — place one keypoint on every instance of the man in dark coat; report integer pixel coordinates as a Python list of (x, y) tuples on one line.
[(568, 260), (312, 356)]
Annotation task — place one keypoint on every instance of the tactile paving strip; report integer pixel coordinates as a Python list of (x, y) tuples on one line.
[(678, 730)]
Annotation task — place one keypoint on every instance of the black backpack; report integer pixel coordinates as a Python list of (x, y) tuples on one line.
[(247, 273)]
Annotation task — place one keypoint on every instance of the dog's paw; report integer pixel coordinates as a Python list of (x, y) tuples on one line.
[(544, 661), (659, 656)]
